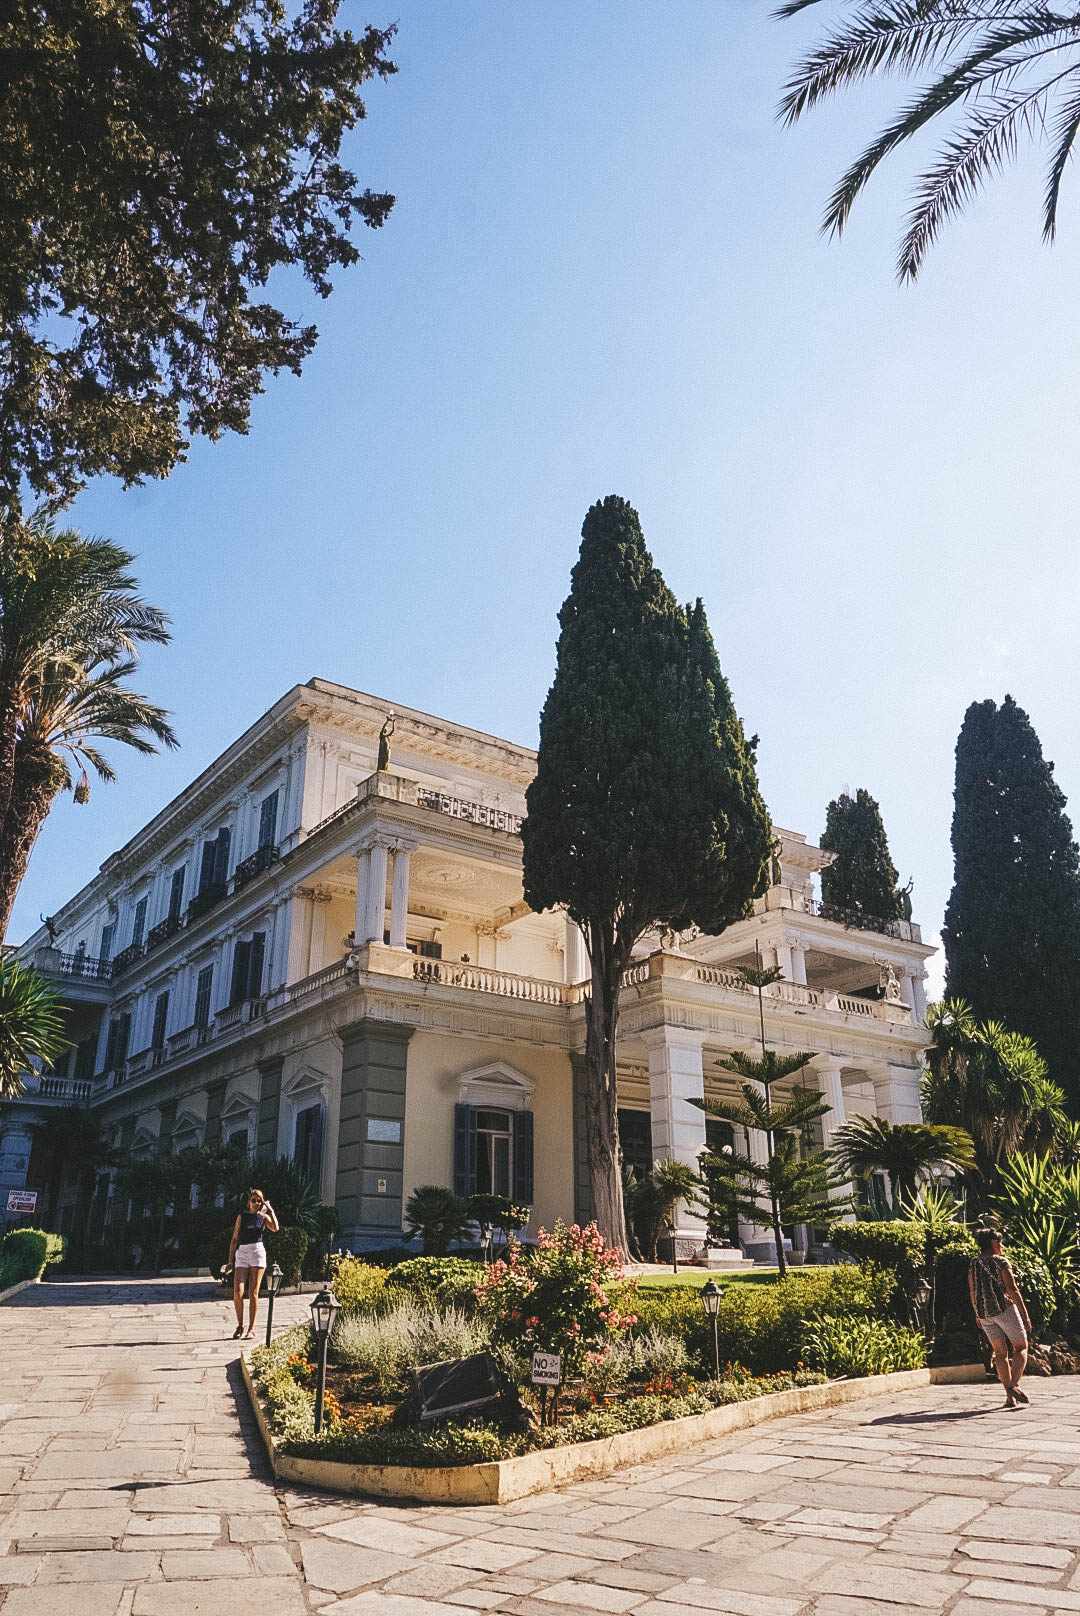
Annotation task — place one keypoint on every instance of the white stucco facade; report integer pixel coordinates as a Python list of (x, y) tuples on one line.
[(337, 964)]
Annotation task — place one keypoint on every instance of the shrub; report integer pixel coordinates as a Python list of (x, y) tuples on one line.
[(651, 1355), (26, 1253), (290, 1407), (954, 1312), (389, 1345), (761, 1325), (359, 1286), (287, 1248), (437, 1215), (437, 1281), (861, 1346), (553, 1296)]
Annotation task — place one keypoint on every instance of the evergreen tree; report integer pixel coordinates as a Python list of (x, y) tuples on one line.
[(862, 877), (1012, 924), (645, 809)]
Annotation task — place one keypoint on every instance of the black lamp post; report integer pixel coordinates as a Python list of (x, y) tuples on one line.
[(324, 1310), (274, 1276), (711, 1294)]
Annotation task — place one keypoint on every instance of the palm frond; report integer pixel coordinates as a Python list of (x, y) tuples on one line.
[(1066, 127)]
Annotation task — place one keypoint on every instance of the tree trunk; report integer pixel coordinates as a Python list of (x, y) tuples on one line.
[(9, 733), (774, 1201), (602, 1152), (28, 808)]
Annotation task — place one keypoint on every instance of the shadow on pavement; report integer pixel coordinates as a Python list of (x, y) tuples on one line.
[(105, 1292), (937, 1419)]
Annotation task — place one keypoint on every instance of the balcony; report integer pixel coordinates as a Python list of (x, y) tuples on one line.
[(254, 865), (163, 931), (478, 979), (127, 957), (903, 931), (205, 900)]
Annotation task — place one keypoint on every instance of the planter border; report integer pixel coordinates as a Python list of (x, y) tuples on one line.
[(13, 1290), (501, 1481)]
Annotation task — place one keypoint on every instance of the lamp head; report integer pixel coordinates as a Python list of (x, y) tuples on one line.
[(324, 1309), (274, 1276), (711, 1294)]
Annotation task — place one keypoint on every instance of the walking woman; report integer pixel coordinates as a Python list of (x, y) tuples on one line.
[(1000, 1313), (247, 1257)]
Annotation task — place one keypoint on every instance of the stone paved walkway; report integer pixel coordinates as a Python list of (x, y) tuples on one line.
[(132, 1485)]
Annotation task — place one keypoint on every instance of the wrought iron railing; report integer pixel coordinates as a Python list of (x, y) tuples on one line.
[(209, 898), (126, 957), (163, 931), (253, 865), (94, 970)]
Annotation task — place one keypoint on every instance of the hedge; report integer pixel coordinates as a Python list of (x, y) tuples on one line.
[(360, 1287), (760, 1326), (26, 1253), (288, 1248), (441, 1281), (953, 1302)]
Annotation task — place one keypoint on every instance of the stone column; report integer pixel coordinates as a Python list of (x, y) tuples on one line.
[(399, 897), (798, 964), (576, 957), (678, 1128), (784, 960), (768, 958), (363, 882), (918, 993), (896, 1091), (824, 1073), (907, 991), (378, 861)]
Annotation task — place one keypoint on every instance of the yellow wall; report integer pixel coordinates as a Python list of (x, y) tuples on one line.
[(436, 1063)]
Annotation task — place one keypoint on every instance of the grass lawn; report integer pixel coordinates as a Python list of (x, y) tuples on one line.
[(698, 1276)]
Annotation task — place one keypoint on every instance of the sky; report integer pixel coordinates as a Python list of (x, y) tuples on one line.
[(604, 274)]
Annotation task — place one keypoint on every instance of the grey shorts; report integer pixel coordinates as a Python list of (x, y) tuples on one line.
[(1007, 1326)]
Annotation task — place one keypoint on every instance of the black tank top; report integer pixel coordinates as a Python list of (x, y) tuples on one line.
[(252, 1225)]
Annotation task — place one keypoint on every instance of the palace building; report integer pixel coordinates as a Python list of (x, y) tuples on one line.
[(334, 962)]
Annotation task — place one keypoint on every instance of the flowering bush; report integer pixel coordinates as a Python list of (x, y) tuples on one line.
[(555, 1296)]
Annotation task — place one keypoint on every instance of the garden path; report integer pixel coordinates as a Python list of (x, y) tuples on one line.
[(130, 1471)]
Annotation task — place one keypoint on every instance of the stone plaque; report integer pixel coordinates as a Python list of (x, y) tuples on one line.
[(384, 1130)]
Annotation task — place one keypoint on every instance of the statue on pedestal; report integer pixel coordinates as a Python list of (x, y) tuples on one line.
[(384, 743)]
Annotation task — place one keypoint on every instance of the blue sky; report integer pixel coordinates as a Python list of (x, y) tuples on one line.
[(604, 274)]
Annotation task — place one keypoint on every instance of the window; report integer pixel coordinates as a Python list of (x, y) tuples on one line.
[(493, 1152), (84, 1059), (247, 972), (719, 1135), (268, 820), (203, 988), (161, 1016), (107, 934), (307, 1142), (635, 1137), (138, 925), (176, 893), (214, 869), (238, 1139), (116, 1045)]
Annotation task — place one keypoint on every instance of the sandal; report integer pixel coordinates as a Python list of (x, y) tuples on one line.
[(238, 1332), (1010, 1403), (250, 1336), (1021, 1397)]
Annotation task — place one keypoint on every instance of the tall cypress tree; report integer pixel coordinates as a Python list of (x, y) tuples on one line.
[(1012, 924), (863, 876), (645, 809)]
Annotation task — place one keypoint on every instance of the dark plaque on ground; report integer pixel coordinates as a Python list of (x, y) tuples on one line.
[(462, 1386)]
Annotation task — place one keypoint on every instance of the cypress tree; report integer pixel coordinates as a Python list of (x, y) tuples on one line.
[(645, 809), (862, 877), (1012, 924)]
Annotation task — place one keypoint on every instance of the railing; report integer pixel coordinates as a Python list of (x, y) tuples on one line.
[(479, 979), (716, 976), (163, 931), (254, 865), (180, 1042), (475, 813), (857, 1007), (202, 903), (94, 970), (74, 1091), (903, 930), (229, 1017), (141, 1062), (635, 975), (127, 956), (317, 981)]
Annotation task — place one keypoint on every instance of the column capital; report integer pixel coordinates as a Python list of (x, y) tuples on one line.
[(404, 844)]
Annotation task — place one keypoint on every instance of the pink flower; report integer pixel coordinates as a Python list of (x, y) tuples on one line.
[(530, 1324)]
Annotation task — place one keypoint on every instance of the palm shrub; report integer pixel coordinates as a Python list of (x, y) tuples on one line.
[(290, 1191), (651, 1201), (904, 1151), (438, 1216), (31, 1024)]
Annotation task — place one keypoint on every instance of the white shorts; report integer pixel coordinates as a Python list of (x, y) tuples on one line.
[(1007, 1326), (253, 1256)]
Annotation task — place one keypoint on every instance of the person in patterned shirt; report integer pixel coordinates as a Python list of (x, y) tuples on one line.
[(1000, 1313)]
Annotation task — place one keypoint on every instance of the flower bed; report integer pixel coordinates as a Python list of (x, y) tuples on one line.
[(358, 1428)]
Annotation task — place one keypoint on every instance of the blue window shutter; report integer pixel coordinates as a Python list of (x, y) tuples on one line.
[(465, 1150), (523, 1157)]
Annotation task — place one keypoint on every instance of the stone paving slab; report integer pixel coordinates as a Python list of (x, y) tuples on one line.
[(130, 1471)]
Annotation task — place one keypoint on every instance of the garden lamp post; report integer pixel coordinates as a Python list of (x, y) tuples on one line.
[(669, 1230), (274, 1276), (711, 1294), (324, 1310)]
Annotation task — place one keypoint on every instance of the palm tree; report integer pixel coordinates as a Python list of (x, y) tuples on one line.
[(651, 1201), (903, 1150), (993, 1083), (998, 69), (31, 1024), (70, 626)]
